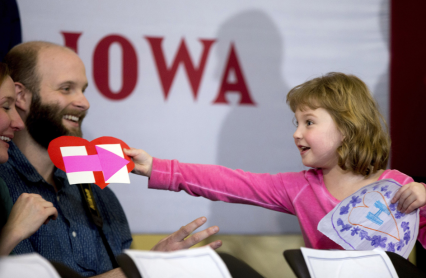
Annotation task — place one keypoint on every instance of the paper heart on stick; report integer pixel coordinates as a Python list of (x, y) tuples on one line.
[(376, 211), (100, 161)]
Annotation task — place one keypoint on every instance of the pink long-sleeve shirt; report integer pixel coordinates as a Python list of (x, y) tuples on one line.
[(299, 193)]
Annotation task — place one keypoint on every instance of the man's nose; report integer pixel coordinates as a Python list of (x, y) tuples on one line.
[(81, 101)]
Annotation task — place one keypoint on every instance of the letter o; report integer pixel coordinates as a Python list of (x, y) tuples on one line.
[(101, 67)]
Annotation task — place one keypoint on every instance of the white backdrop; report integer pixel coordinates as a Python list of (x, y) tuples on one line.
[(279, 44)]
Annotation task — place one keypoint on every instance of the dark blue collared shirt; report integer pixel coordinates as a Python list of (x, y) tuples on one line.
[(72, 239)]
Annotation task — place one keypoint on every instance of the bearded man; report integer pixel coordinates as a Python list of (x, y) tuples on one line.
[(50, 81)]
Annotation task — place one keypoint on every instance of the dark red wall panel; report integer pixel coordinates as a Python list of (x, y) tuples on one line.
[(408, 87)]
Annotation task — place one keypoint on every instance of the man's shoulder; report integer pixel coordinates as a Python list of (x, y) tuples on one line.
[(18, 162), (16, 170), (7, 171), (5, 166), (18, 173), (15, 182)]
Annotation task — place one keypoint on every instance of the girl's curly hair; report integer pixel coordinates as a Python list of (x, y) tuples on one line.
[(366, 144)]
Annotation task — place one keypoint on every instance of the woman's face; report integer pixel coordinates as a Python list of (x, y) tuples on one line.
[(9, 117)]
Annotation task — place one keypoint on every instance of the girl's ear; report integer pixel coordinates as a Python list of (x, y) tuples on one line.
[(23, 97), (342, 134)]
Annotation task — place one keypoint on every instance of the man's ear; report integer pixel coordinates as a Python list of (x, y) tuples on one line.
[(23, 97)]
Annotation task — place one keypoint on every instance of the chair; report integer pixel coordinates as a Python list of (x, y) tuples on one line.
[(403, 267), (128, 266), (294, 258), (65, 271), (236, 267)]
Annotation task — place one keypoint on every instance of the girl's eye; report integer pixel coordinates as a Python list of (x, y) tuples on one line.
[(309, 122), (296, 124)]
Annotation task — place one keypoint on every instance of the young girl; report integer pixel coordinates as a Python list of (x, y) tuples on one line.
[(340, 134)]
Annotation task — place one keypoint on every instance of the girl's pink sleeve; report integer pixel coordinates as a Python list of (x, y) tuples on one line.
[(219, 183), (422, 228)]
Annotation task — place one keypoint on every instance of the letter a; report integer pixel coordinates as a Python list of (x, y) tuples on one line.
[(182, 56), (239, 86)]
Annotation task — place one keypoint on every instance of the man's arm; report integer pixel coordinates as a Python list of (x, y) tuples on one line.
[(178, 240)]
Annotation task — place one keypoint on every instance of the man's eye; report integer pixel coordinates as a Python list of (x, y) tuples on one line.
[(6, 107)]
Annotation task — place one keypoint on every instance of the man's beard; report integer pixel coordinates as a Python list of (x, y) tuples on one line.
[(44, 122)]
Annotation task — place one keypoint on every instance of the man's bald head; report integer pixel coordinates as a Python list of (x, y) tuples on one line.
[(51, 80), (22, 61)]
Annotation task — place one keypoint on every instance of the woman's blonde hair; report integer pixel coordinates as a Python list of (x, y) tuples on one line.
[(366, 144)]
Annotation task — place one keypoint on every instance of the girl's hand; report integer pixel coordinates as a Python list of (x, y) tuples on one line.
[(142, 160), (411, 196)]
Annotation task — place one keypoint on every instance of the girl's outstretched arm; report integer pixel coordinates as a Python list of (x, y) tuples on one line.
[(216, 182), (411, 196), (142, 160)]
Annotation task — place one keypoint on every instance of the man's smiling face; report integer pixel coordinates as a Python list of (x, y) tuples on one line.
[(60, 106)]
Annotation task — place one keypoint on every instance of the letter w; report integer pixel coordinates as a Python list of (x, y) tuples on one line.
[(167, 75)]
